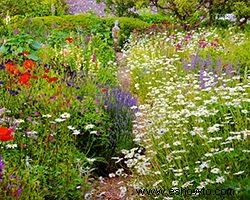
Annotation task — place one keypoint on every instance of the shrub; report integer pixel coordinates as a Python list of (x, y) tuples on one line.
[(33, 8), (83, 23)]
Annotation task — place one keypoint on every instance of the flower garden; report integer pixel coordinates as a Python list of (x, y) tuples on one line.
[(67, 123)]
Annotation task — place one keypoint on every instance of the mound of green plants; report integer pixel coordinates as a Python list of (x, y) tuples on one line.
[(58, 114), (82, 23), (195, 95)]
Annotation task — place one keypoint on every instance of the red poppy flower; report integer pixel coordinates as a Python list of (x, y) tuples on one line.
[(5, 134), (45, 76), (104, 90), (69, 40), (46, 70), (24, 79), (34, 77), (25, 53), (28, 64), (12, 69), (53, 79)]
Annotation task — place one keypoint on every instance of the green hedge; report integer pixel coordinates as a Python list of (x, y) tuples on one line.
[(87, 23)]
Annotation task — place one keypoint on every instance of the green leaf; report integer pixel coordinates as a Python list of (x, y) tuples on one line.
[(4, 49), (33, 57), (35, 45)]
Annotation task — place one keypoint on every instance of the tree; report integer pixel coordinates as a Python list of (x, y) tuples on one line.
[(190, 12), (32, 7), (119, 7)]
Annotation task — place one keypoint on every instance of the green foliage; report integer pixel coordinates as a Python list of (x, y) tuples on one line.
[(13, 47), (53, 157), (190, 131), (31, 8), (241, 8), (149, 17), (119, 7), (189, 12), (83, 24)]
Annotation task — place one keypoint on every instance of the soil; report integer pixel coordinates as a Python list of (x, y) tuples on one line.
[(110, 188)]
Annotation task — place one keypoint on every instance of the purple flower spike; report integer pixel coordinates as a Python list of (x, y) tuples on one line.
[(1, 168)]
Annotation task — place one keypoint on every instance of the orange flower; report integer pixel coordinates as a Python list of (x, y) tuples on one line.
[(28, 64), (104, 90), (53, 79), (34, 77), (69, 40), (5, 134), (45, 76), (24, 79), (12, 69), (25, 53)]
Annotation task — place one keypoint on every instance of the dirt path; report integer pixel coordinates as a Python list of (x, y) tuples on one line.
[(123, 73), (116, 188)]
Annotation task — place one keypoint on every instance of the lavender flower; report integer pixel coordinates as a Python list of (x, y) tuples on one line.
[(13, 92), (118, 104), (1, 169), (16, 31), (2, 66)]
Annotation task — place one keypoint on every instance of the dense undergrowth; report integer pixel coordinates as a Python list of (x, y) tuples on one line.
[(195, 90), (62, 116), (64, 120)]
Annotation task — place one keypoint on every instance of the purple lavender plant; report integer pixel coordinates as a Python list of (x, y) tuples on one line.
[(12, 186), (121, 107), (1, 169), (208, 72)]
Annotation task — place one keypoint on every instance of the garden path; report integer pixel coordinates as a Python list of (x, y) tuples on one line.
[(111, 188)]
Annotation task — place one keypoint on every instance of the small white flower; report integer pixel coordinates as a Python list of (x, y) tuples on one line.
[(215, 170), (93, 132), (119, 172), (175, 183), (31, 133), (70, 127), (187, 184), (89, 126), (123, 191), (178, 174), (11, 146), (18, 121), (47, 116), (220, 179), (88, 196), (76, 132), (111, 175), (157, 183), (177, 143), (204, 165), (91, 160), (133, 107), (238, 173), (244, 111), (59, 120), (227, 149), (65, 115)]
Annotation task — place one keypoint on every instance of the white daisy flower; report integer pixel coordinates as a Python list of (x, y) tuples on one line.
[(93, 132), (59, 120), (11, 146), (65, 115), (215, 170), (238, 173), (89, 126), (220, 179), (70, 127), (76, 132), (47, 116)]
